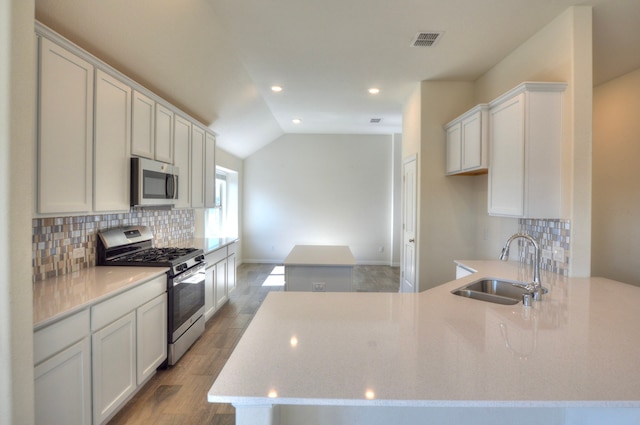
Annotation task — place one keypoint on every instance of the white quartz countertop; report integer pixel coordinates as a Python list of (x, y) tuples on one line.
[(320, 255), (579, 347), (210, 244), (58, 297)]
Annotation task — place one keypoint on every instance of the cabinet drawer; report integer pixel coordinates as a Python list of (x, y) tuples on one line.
[(232, 248), (106, 312), (60, 335), (216, 256)]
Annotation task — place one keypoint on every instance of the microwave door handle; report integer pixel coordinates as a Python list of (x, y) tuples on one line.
[(170, 187)]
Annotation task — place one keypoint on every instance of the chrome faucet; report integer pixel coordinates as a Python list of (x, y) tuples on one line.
[(536, 286)]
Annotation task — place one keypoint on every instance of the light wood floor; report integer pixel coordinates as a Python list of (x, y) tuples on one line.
[(178, 395)]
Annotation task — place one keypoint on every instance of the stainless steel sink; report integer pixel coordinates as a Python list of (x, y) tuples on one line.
[(493, 290)]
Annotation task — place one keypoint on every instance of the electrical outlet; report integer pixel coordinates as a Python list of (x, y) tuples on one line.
[(558, 253), (546, 254), (318, 286), (78, 253)]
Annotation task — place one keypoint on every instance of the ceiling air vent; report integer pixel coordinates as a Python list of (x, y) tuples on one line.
[(426, 39), (375, 120)]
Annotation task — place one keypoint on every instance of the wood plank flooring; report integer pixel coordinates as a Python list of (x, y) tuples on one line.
[(178, 395)]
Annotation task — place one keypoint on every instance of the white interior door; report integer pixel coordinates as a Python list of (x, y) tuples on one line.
[(409, 213)]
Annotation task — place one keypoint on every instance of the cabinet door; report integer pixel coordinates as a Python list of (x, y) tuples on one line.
[(506, 173), (151, 322), (65, 131), (142, 126), (63, 387), (454, 148), (472, 142), (209, 282), (197, 170), (231, 273), (114, 366), (210, 171), (163, 134), (112, 144), (182, 160), (221, 284)]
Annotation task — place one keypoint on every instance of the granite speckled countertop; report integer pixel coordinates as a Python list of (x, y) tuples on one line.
[(579, 347)]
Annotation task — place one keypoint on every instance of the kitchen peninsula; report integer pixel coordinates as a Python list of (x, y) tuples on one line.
[(434, 357)]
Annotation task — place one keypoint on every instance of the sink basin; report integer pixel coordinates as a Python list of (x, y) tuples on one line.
[(492, 290)]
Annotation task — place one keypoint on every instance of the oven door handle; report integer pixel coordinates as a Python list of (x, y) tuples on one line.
[(194, 278)]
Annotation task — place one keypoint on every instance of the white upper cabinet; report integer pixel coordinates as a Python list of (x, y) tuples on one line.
[(112, 144), (182, 160), (197, 168), (163, 134), (525, 176), (65, 131), (467, 142), (142, 125), (210, 171)]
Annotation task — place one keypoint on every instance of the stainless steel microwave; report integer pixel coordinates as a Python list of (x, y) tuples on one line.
[(153, 183)]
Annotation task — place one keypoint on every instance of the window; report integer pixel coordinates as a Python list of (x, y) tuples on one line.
[(222, 221)]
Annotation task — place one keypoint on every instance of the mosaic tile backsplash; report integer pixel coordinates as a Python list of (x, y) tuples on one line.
[(550, 234), (63, 245)]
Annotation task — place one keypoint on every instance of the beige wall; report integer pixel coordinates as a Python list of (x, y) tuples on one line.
[(447, 223), (454, 223), (17, 110), (616, 188), (411, 124), (559, 52)]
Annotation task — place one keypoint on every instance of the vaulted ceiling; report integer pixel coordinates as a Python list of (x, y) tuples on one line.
[(218, 59)]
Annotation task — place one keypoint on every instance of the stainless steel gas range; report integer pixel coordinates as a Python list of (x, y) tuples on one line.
[(133, 246)]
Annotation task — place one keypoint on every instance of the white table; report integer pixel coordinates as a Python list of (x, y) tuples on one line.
[(319, 268)]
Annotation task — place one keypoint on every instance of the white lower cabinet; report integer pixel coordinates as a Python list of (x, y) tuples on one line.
[(151, 321), (209, 282), (231, 268), (114, 366), (220, 293), (220, 279), (62, 375), (128, 343)]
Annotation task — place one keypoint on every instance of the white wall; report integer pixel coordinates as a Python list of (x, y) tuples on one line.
[(319, 189), (17, 111), (616, 188)]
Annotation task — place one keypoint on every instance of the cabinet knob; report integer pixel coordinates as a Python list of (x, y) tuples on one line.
[(412, 240)]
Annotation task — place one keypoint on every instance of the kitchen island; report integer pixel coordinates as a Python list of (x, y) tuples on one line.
[(434, 357), (319, 268)]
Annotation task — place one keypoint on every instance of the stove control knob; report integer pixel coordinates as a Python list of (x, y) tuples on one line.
[(181, 267), (200, 258)]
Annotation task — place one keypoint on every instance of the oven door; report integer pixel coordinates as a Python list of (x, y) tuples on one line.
[(186, 300)]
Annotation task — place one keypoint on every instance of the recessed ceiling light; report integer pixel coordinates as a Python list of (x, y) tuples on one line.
[(276, 88), (374, 90), (296, 120)]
